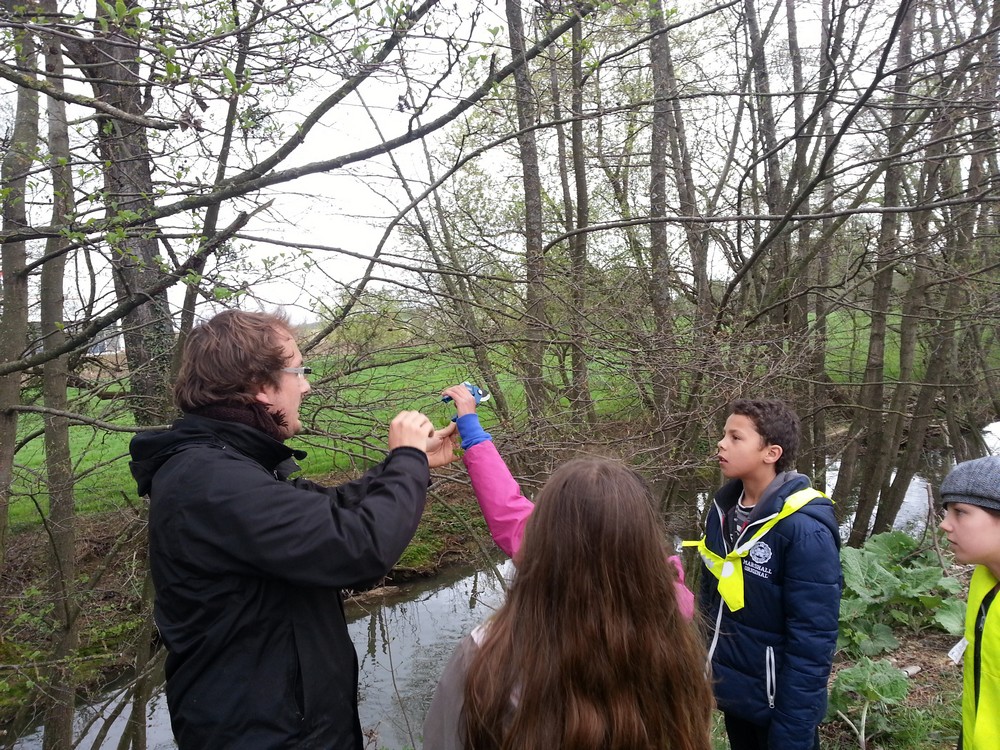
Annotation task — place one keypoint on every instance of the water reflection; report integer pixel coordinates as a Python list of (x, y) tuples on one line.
[(917, 510), (404, 645), (913, 513), (403, 640)]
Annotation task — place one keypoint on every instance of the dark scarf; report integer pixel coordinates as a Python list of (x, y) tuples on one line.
[(253, 415)]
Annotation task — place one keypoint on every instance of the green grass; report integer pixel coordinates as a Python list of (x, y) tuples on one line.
[(848, 338), (351, 414), (100, 463), (353, 411)]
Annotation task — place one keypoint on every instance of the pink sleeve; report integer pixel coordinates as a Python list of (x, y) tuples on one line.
[(505, 509), (685, 599)]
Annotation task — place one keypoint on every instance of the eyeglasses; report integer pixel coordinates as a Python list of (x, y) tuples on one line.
[(300, 371)]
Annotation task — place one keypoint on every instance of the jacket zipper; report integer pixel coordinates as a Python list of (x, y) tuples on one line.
[(772, 676), (726, 550), (769, 663), (769, 667)]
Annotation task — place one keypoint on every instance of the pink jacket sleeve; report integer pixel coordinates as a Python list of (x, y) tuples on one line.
[(685, 599), (506, 510)]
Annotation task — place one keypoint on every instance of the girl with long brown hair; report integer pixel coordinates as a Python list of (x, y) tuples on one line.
[(590, 651)]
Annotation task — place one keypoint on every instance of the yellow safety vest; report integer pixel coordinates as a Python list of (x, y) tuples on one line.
[(729, 569), (981, 723)]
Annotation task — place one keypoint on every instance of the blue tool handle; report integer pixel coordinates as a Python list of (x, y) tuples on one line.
[(477, 393)]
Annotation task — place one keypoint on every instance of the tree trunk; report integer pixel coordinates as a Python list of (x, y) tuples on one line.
[(17, 162), (871, 421), (535, 319), (830, 42), (147, 674), (776, 277), (58, 462), (903, 423), (111, 64), (679, 426), (661, 271), (799, 305), (580, 398)]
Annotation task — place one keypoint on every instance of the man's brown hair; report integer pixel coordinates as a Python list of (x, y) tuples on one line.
[(228, 358)]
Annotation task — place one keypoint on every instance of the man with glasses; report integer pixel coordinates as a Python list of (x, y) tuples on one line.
[(248, 565)]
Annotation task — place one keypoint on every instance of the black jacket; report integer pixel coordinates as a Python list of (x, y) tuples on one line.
[(771, 660), (248, 568)]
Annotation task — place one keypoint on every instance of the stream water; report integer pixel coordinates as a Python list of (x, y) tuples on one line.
[(404, 640)]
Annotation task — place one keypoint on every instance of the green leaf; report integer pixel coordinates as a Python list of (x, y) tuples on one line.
[(879, 640), (892, 545), (230, 76), (951, 616), (875, 681), (865, 576), (852, 609)]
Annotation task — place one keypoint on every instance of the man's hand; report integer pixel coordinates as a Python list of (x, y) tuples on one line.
[(441, 446), (410, 428)]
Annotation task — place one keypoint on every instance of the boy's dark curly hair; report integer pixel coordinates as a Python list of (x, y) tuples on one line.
[(776, 423)]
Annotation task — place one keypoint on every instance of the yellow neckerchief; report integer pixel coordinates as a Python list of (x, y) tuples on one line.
[(729, 569)]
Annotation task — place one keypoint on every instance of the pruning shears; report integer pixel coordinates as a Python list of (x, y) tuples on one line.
[(477, 393)]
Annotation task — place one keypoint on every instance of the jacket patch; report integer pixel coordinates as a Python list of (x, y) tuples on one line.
[(760, 554)]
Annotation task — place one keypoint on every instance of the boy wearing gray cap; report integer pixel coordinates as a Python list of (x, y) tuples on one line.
[(971, 498)]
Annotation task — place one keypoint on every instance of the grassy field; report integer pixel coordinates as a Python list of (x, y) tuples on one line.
[(348, 415), (356, 392), (100, 463)]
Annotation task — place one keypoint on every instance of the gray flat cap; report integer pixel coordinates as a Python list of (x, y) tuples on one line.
[(975, 482)]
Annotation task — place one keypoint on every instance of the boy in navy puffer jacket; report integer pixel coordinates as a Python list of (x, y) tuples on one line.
[(770, 590)]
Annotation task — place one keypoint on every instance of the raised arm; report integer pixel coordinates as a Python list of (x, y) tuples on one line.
[(504, 507)]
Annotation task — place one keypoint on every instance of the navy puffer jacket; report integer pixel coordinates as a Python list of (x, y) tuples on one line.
[(771, 659)]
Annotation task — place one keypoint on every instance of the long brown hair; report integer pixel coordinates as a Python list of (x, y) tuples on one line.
[(590, 651), (227, 358)]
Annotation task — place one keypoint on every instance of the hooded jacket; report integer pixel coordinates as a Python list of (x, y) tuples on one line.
[(771, 659), (248, 567)]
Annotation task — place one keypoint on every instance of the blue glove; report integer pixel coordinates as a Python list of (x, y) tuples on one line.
[(471, 432)]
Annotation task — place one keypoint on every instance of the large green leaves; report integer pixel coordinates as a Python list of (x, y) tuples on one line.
[(892, 583)]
